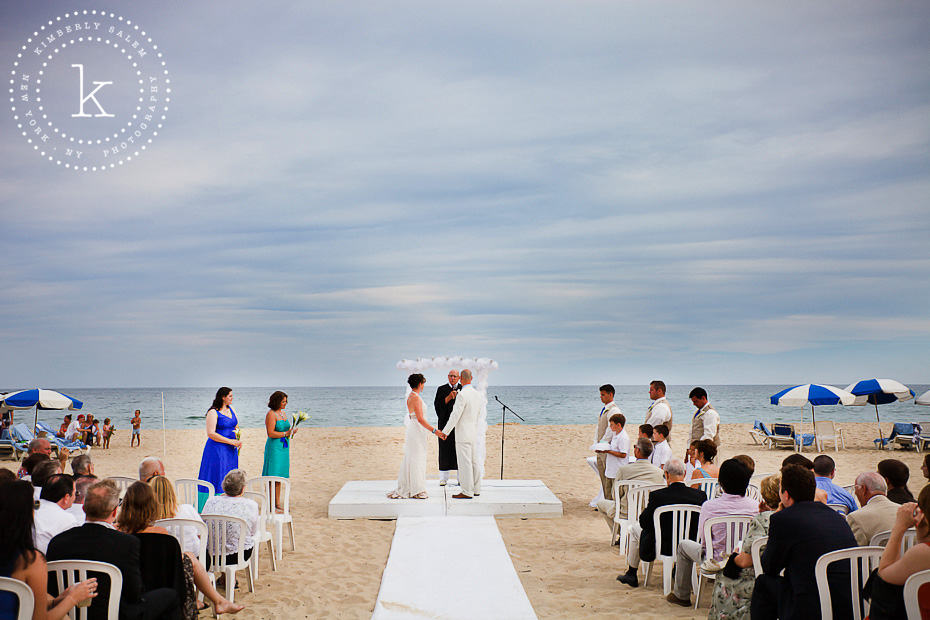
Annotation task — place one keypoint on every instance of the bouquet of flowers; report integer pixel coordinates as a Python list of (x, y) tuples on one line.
[(296, 419), (238, 438)]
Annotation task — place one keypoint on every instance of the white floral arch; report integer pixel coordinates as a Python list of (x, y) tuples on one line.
[(480, 367)]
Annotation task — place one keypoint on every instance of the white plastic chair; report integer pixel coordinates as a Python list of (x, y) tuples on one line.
[(189, 491), (637, 496), (734, 531), (682, 515), (217, 533), (262, 535), (180, 529), (265, 485), (824, 431), (23, 594), (908, 541), (843, 509), (122, 483), (756, 552), (69, 572), (708, 485), (861, 562), (754, 493), (911, 590)]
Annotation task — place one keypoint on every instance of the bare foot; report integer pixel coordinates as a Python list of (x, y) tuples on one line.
[(225, 607)]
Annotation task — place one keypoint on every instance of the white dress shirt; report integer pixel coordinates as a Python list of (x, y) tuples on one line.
[(50, 520), (77, 511), (659, 412), (711, 422), (610, 409), (618, 443), (661, 453)]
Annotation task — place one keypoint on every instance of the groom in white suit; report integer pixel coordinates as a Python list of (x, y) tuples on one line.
[(464, 419)]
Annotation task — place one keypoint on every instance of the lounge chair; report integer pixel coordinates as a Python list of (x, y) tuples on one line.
[(825, 431), (786, 435), (902, 434), (72, 446), (22, 434), (761, 434)]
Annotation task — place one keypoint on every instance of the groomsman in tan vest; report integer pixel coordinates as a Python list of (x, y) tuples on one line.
[(706, 421), (604, 435), (659, 412)]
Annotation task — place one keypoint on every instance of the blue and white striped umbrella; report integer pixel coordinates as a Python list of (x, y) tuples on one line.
[(40, 399), (812, 394), (923, 399), (880, 392)]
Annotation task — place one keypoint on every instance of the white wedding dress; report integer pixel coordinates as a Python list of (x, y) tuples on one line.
[(411, 480)]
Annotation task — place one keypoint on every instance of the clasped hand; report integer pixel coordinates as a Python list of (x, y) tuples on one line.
[(441, 435)]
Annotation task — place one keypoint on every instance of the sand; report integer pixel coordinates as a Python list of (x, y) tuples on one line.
[(566, 565)]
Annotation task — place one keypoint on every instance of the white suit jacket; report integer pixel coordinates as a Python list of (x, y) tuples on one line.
[(464, 416)]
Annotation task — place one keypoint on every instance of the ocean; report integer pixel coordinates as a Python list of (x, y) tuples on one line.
[(384, 406)]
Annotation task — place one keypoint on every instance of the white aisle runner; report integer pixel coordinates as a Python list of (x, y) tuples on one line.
[(450, 567)]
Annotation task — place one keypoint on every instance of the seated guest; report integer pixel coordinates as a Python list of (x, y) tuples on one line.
[(798, 459), (6, 476), (877, 513), (98, 540), (887, 587), (640, 469), (81, 485), (233, 504), (732, 595), (661, 452), (824, 471), (643, 535), (81, 465), (746, 460), (896, 474), (42, 472), (734, 479), (29, 464), (799, 533), (138, 515), (38, 446), (701, 456), (20, 559), (52, 516), (925, 467), (150, 467)]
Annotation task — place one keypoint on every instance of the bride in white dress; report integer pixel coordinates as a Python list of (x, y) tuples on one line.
[(411, 481)]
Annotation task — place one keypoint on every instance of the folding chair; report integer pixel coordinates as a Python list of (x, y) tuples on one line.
[(23, 594), (824, 431), (902, 433), (218, 529), (761, 434), (682, 515), (69, 572), (787, 435), (734, 529), (861, 562), (265, 485)]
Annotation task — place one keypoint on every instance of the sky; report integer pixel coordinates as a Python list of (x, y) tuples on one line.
[(586, 192)]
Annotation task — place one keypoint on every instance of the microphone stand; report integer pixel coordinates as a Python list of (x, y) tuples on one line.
[(504, 410)]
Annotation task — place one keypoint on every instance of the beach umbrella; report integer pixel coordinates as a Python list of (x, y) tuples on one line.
[(879, 392), (812, 394), (923, 399), (40, 399)]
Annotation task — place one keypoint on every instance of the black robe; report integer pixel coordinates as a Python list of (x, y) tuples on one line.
[(447, 460)]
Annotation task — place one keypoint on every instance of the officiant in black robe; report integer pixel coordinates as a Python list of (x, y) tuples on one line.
[(443, 403)]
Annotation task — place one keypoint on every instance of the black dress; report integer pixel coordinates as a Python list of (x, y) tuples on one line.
[(447, 460)]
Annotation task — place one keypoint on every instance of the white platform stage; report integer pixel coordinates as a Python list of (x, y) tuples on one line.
[(479, 580), (367, 499)]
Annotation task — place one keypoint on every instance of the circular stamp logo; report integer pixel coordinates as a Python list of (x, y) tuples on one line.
[(89, 90)]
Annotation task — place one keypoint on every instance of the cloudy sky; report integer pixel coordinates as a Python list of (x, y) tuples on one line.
[(584, 191)]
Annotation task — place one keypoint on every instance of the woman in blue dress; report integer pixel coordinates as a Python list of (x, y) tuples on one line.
[(220, 454)]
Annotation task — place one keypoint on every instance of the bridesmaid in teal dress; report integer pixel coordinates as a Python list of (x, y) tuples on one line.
[(277, 448)]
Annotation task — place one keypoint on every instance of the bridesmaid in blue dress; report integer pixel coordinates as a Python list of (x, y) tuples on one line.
[(220, 454)]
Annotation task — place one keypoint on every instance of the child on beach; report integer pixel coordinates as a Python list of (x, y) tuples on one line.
[(96, 432), (136, 422), (619, 450), (107, 433)]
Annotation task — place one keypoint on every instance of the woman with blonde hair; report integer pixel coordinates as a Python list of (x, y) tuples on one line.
[(139, 511), (168, 508), (733, 588)]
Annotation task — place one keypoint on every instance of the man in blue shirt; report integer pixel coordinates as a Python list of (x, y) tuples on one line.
[(824, 470)]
